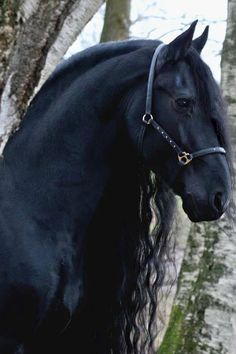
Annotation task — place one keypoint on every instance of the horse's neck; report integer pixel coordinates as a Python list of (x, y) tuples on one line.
[(61, 157)]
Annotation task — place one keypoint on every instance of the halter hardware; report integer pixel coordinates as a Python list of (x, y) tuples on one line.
[(147, 120), (184, 158)]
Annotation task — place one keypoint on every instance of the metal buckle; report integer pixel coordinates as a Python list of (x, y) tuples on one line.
[(185, 158), (149, 120)]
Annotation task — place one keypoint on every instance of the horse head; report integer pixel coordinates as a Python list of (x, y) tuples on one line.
[(183, 136)]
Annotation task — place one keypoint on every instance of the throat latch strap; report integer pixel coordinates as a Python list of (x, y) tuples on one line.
[(213, 150), (186, 157)]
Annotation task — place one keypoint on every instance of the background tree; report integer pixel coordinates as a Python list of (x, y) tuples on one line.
[(117, 20), (228, 68), (203, 317), (34, 36)]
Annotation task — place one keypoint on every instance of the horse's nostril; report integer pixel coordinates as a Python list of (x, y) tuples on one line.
[(218, 201)]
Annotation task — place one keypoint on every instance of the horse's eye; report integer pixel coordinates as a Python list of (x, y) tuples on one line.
[(183, 103)]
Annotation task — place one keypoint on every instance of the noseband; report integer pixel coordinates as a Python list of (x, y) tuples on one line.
[(184, 158)]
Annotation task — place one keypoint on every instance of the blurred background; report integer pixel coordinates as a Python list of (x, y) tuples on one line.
[(162, 20), (199, 314)]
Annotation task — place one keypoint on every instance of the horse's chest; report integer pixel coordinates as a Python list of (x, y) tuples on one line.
[(39, 289)]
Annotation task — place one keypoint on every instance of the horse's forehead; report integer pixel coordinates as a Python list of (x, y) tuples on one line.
[(179, 78), (182, 76)]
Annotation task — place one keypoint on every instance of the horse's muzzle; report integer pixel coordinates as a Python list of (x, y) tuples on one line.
[(208, 209)]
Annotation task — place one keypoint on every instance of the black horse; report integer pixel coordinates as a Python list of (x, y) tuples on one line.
[(87, 190)]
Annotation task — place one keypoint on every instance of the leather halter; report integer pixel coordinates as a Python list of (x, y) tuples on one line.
[(148, 120)]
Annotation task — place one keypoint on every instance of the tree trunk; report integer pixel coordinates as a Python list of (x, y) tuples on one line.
[(117, 20), (34, 36), (203, 317), (228, 67)]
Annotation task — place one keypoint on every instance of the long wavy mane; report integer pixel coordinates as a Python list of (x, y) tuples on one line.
[(126, 256), (157, 206)]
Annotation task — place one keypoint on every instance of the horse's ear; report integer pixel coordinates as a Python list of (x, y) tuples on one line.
[(178, 48), (200, 42)]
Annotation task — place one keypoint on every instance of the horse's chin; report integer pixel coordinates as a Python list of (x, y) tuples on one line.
[(199, 218), (199, 214)]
